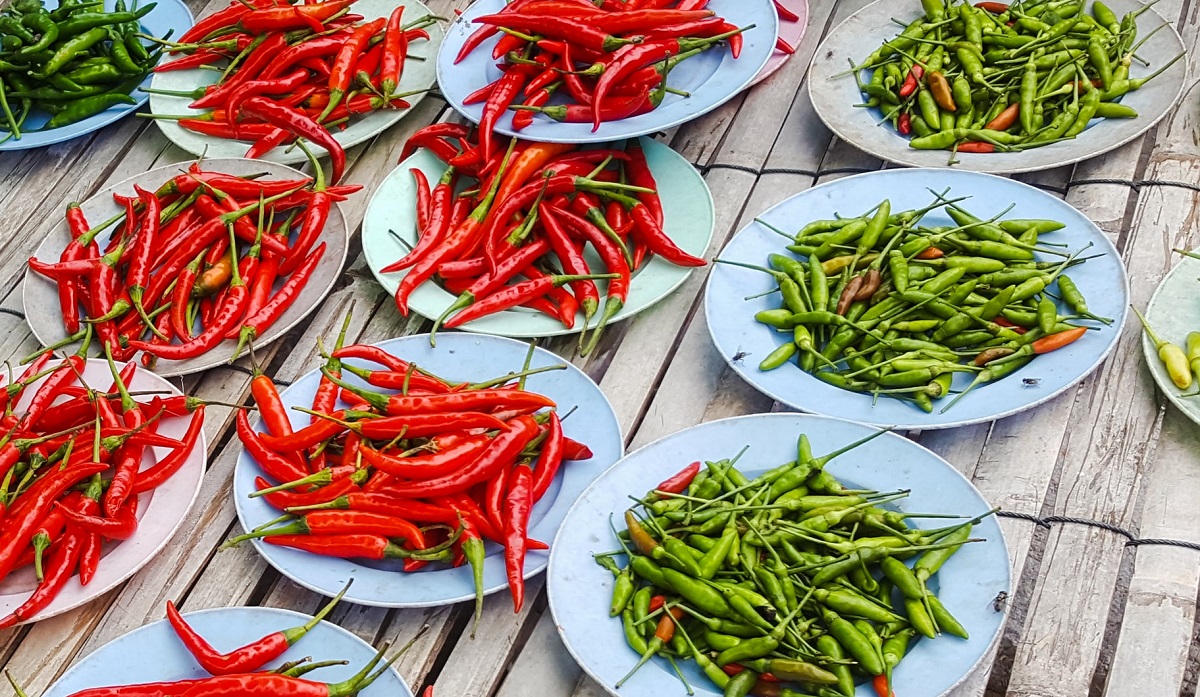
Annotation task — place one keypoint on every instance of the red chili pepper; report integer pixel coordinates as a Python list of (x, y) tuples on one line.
[(503, 449), (912, 81), (299, 124), (293, 17), (63, 561), (904, 124), (498, 101), (577, 31), (434, 231), (254, 326), (122, 526), (395, 46), (785, 13), (428, 136), (976, 147), (442, 461), (460, 238), (524, 118), (346, 546), (341, 73), (516, 528), (995, 8), (550, 458), (259, 55), (276, 465), (646, 230), (493, 497), (481, 94), (573, 263), (512, 296), (250, 657), (424, 199), (424, 425), (784, 46)]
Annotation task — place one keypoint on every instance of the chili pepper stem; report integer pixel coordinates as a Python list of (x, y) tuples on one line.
[(15, 686), (521, 376)]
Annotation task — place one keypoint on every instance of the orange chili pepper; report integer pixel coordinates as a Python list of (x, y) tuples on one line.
[(940, 87), (1005, 119)]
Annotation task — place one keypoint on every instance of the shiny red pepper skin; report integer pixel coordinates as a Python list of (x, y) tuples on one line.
[(518, 504), (647, 231), (550, 458), (155, 476), (679, 482), (446, 459), (299, 124)]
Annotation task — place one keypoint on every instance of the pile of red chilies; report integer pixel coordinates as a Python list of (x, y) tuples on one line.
[(531, 215), (239, 672), (70, 470), (169, 266), (611, 60), (468, 461), (293, 71)]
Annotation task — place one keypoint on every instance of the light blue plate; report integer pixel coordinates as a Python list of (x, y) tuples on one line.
[(167, 16), (687, 216), (154, 652), (712, 77), (457, 357), (580, 590), (734, 331)]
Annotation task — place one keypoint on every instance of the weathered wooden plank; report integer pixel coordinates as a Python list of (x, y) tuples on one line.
[(1156, 628), (542, 667)]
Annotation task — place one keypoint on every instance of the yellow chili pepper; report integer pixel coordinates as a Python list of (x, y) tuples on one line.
[(1172, 356)]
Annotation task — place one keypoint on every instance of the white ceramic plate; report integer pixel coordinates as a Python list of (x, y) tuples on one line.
[(40, 295), (687, 215), (160, 512), (154, 653), (712, 78), (580, 590), (457, 357), (734, 331), (867, 29), (419, 73), (1172, 313)]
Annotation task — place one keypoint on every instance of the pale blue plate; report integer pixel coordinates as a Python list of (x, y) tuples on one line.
[(712, 77), (154, 652), (580, 590), (687, 216), (167, 16), (457, 357), (735, 333)]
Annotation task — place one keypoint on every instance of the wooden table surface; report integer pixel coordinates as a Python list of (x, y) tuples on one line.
[(1099, 608)]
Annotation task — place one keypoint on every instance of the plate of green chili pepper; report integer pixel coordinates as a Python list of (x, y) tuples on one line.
[(382, 582), (779, 550), (70, 69), (154, 653), (995, 89), (962, 298), (1171, 341)]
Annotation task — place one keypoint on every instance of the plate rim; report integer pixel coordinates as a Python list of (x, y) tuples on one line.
[(530, 570), (1116, 328), (279, 329), (558, 624), (554, 328), (977, 164)]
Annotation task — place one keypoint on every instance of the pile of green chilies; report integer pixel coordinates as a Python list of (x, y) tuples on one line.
[(995, 77), (788, 579), (887, 306), (72, 62)]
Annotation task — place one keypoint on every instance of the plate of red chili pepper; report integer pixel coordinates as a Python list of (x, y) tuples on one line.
[(424, 490), (793, 596), (124, 491), (327, 86), (154, 653), (600, 73), (959, 298), (593, 231), (170, 291)]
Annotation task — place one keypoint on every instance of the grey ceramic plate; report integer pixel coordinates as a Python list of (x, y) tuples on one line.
[(1172, 313), (867, 29), (40, 295)]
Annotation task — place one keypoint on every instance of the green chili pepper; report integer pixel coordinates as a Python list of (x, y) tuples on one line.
[(622, 592), (944, 619)]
